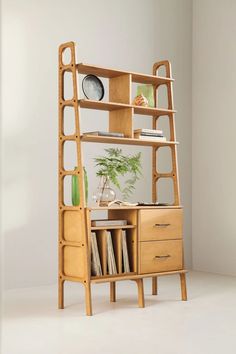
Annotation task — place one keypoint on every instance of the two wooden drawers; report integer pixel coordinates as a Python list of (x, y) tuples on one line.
[(160, 240)]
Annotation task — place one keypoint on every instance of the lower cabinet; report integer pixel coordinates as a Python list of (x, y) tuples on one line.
[(160, 256)]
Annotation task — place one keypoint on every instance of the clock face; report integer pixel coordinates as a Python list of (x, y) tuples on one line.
[(93, 88)]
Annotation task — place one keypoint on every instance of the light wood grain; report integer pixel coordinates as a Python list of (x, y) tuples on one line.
[(74, 246), (154, 285), (73, 226), (163, 224), (121, 121), (133, 276), (124, 141), (160, 256), (112, 292), (183, 286), (141, 302), (111, 106), (112, 73), (120, 89), (74, 261)]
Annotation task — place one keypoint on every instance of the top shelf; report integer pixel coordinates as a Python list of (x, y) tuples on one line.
[(111, 73)]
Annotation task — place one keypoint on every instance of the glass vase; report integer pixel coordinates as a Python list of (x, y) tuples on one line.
[(104, 193)]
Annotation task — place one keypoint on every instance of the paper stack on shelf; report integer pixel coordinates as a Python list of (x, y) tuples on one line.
[(108, 222), (102, 133), (96, 268), (110, 255), (149, 134), (125, 253)]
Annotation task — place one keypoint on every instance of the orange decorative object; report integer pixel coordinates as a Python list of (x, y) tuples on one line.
[(140, 100)]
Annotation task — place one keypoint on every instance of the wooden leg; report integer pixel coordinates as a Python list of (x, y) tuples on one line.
[(183, 286), (88, 299), (61, 293), (154, 285), (140, 293), (113, 292)]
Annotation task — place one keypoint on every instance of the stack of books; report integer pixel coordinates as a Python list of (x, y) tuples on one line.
[(108, 222), (149, 134), (102, 133), (96, 268), (111, 261)]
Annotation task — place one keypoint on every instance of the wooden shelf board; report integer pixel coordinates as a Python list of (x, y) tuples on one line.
[(133, 276), (112, 106), (110, 73), (93, 228), (135, 207), (124, 141)]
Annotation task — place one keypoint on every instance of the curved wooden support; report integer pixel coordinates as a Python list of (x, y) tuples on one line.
[(167, 66)]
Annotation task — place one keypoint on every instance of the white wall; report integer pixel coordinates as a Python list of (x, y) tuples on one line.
[(130, 35), (214, 126)]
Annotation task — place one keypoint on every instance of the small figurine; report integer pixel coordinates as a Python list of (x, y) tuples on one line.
[(140, 100)]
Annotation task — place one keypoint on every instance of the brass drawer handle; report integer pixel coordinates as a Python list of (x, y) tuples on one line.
[(161, 225), (162, 257)]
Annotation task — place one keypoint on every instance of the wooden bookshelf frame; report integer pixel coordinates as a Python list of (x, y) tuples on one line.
[(74, 221)]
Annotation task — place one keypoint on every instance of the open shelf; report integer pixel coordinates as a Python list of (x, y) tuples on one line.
[(94, 228), (134, 207), (112, 106), (133, 275), (124, 141), (111, 73)]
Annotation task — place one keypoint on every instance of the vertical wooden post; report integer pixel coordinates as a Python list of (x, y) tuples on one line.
[(141, 302), (183, 286), (88, 299), (174, 173), (60, 293), (154, 285), (84, 278), (113, 291)]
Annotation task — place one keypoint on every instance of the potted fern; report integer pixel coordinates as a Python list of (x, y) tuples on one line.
[(110, 167)]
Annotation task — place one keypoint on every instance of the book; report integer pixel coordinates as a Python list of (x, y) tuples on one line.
[(118, 202), (126, 265), (145, 130), (110, 255), (108, 222), (137, 135), (152, 138), (101, 133), (96, 268)]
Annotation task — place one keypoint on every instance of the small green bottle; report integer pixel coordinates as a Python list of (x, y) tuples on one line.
[(75, 188)]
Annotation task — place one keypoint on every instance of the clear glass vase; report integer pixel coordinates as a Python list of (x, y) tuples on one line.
[(104, 193)]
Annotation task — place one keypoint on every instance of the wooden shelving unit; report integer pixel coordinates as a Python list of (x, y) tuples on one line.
[(154, 234)]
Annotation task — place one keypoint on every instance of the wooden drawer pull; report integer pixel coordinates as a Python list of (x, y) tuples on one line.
[(161, 225), (162, 257)]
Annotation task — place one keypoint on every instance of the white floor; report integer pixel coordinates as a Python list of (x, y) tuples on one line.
[(206, 324)]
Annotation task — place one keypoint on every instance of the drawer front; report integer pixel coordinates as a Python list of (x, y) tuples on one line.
[(161, 256), (162, 224)]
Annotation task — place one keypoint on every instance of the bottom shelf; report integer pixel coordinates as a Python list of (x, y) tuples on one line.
[(133, 276)]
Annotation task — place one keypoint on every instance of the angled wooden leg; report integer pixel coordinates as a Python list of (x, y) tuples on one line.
[(141, 302), (88, 299), (154, 285), (61, 293), (113, 291), (183, 286)]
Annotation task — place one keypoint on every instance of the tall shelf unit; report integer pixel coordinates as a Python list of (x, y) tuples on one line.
[(154, 233)]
